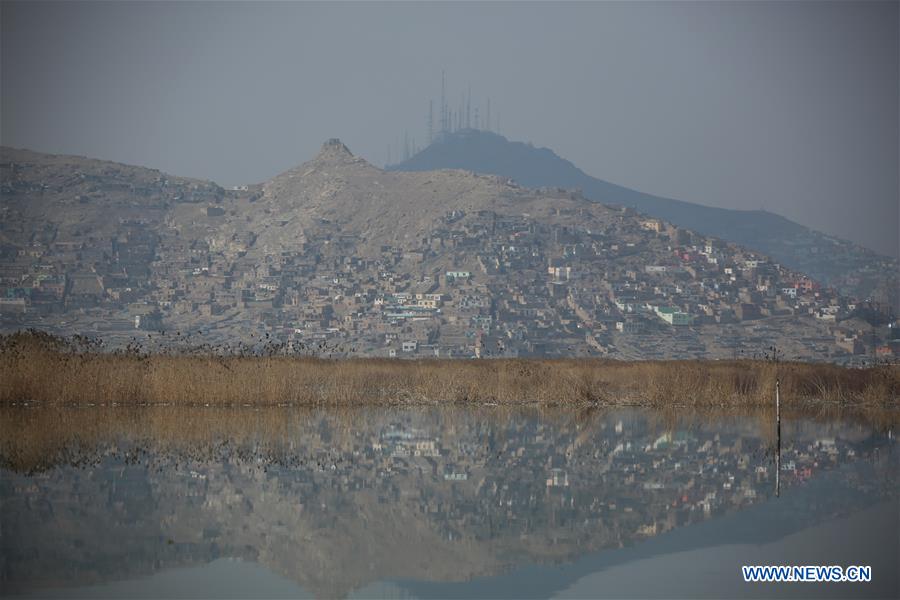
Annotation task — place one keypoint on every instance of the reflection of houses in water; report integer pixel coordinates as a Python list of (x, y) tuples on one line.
[(678, 439), (558, 478), (425, 448), (490, 484), (405, 443)]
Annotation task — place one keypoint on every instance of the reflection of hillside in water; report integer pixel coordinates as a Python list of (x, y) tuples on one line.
[(337, 500)]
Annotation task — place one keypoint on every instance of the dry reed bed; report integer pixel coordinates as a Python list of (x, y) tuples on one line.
[(38, 368)]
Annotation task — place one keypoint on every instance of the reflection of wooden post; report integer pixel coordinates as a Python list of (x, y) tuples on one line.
[(777, 437)]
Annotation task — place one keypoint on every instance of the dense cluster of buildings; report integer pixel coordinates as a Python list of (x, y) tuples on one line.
[(476, 286), (137, 253)]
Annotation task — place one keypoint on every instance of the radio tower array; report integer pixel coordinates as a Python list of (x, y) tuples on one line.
[(430, 121), (464, 117)]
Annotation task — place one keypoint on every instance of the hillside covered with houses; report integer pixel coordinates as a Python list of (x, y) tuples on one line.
[(339, 258)]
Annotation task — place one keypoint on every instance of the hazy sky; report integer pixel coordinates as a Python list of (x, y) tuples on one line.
[(790, 106)]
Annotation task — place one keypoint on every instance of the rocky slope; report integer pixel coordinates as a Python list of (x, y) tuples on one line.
[(339, 252), (854, 270)]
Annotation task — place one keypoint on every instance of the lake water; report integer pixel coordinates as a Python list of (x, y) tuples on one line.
[(107, 502)]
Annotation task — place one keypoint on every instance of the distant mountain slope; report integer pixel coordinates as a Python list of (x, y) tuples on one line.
[(48, 199), (338, 254), (850, 268)]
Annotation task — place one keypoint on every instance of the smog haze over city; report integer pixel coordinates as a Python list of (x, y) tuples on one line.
[(449, 300), (790, 107)]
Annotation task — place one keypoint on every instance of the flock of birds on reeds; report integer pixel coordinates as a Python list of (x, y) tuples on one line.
[(261, 345), (165, 343)]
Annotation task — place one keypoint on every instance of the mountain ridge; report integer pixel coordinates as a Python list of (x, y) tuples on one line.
[(436, 263), (763, 231)]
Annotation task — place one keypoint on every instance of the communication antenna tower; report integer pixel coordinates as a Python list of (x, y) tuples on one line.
[(430, 121), (444, 123)]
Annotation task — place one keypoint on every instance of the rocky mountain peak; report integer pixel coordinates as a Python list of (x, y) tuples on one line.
[(333, 159), (334, 149)]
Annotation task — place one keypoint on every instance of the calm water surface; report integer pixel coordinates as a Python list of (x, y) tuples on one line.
[(163, 502)]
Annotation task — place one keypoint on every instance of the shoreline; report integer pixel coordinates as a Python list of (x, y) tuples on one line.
[(47, 370)]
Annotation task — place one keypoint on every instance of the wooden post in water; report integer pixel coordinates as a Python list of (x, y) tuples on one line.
[(777, 438)]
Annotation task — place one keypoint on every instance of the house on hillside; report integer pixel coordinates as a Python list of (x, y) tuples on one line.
[(673, 316)]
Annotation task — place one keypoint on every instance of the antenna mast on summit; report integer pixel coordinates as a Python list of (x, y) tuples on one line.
[(443, 104), (430, 121)]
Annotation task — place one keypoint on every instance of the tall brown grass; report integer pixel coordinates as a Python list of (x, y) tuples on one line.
[(39, 368)]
